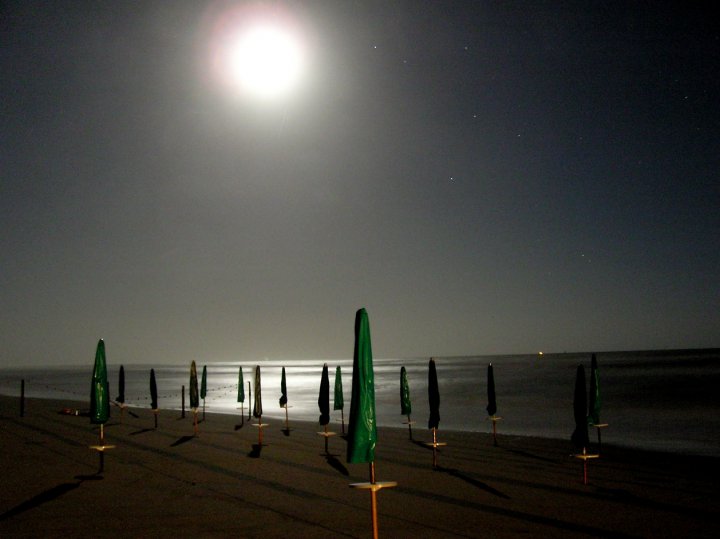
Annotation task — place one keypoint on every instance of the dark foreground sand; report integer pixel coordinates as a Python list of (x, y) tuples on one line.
[(167, 483)]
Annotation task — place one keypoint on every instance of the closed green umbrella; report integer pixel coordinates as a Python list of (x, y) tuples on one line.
[(100, 400), (338, 401), (194, 398), (99, 396), (362, 428), (405, 403)]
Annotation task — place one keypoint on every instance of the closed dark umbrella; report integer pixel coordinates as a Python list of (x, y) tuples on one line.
[(324, 397), (338, 400), (194, 397), (257, 407), (153, 396), (324, 404), (580, 434), (284, 400), (492, 403), (121, 392), (203, 388), (594, 400), (405, 403), (434, 402), (433, 397), (241, 393)]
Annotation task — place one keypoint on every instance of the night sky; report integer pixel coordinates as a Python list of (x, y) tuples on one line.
[(484, 177)]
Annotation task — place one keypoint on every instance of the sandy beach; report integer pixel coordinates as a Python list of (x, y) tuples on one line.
[(166, 482)]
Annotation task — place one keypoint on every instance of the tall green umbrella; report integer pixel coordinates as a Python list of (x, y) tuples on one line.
[(580, 434), (153, 395), (203, 388), (100, 400), (405, 403), (194, 399), (99, 395), (338, 400), (362, 429)]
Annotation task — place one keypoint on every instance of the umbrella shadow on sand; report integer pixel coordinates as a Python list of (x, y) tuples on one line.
[(472, 481), (335, 463), (255, 451), (182, 440), (42, 498)]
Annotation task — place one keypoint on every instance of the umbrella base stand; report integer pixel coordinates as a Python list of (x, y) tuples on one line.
[(373, 486), (494, 419), (435, 444), (326, 434), (101, 448), (286, 428), (585, 456)]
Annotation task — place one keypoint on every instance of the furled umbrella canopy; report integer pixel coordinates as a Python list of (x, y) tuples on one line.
[(121, 385), (362, 430), (283, 390), (594, 402), (153, 391), (99, 394), (203, 383), (194, 397), (580, 435), (492, 404), (338, 400), (405, 403), (433, 397), (324, 396), (257, 406), (241, 387)]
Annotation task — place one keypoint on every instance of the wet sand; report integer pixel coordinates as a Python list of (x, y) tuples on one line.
[(166, 482)]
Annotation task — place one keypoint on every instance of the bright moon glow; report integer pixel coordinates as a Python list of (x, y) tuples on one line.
[(264, 61)]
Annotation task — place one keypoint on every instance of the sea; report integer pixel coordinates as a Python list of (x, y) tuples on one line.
[(655, 400)]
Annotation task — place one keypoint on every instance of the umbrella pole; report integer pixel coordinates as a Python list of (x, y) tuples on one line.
[(249, 398), (326, 440), (203, 409), (155, 414), (102, 445), (494, 431), (585, 466), (287, 422), (195, 421), (409, 426), (260, 433), (342, 419), (434, 448), (373, 501)]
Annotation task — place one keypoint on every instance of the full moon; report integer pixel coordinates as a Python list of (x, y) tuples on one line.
[(265, 61)]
